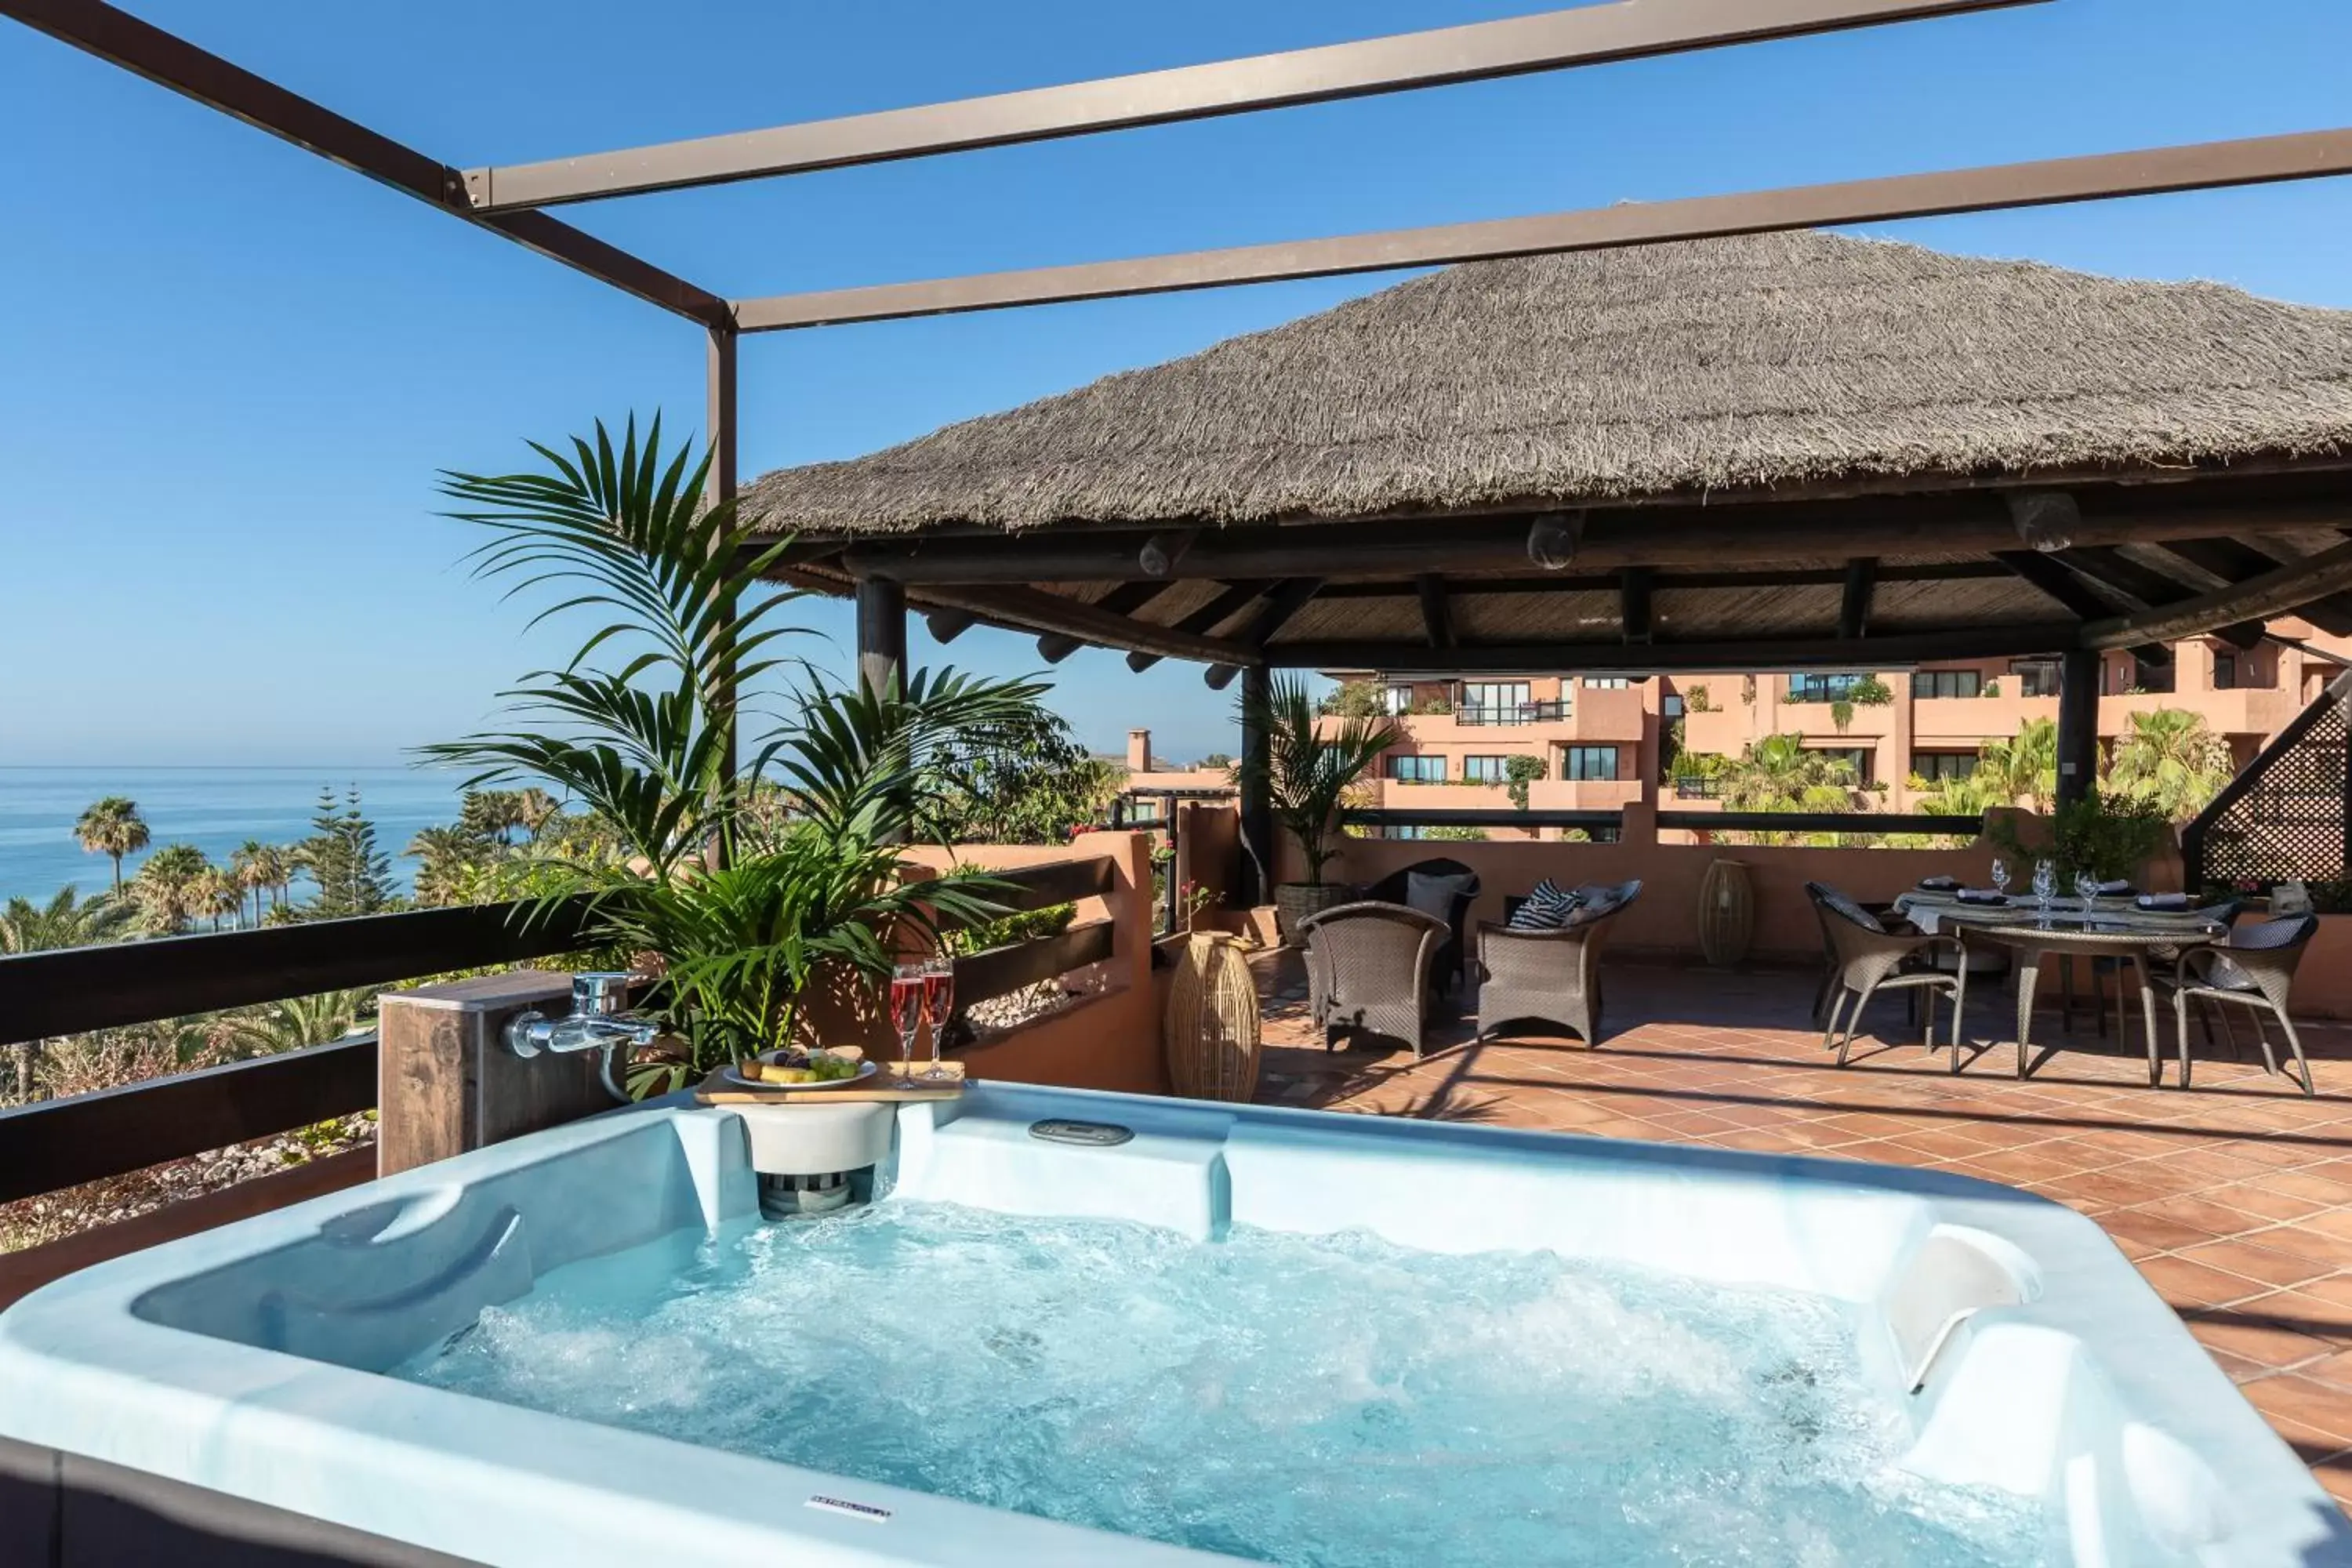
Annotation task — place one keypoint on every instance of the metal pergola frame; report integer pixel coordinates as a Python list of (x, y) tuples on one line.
[(955, 576)]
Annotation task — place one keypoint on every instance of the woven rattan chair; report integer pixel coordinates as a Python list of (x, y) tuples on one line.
[(1549, 977), (1368, 970), (1447, 969), (2224, 914), (2255, 970), (1866, 958)]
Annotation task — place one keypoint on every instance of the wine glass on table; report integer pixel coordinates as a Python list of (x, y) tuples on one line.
[(2000, 876), (2045, 887), (939, 1002), (2087, 888), (906, 981)]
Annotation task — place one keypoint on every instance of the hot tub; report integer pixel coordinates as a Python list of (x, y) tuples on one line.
[(1235, 1333)]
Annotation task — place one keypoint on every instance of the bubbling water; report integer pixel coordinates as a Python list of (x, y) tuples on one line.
[(1328, 1401)]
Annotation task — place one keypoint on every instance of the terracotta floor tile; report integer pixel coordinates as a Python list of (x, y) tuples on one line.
[(2319, 1407), (2259, 1340), (2154, 1227), (2186, 1285), (2264, 1264), (2259, 1197), (2307, 1185), (2113, 1189), (2327, 1222)]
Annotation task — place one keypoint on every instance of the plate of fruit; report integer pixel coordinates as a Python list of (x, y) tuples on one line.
[(793, 1068)]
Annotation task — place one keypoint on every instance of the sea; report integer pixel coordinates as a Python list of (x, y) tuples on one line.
[(215, 809)]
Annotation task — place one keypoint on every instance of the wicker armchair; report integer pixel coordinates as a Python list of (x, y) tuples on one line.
[(1368, 970), (1549, 977), (2255, 970), (1865, 958), (1446, 972)]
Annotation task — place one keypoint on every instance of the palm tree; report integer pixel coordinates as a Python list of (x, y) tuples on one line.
[(289, 1026), (1307, 768), (215, 892), (2024, 768), (2170, 761), (1780, 773), (66, 921), (445, 856), (165, 888), (534, 806), (255, 868), (112, 827)]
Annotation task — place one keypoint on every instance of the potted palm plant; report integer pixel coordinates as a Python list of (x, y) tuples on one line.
[(746, 915), (1305, 770)]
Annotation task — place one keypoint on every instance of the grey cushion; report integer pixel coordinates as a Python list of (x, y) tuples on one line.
[(1851, 911), (1435, 895)]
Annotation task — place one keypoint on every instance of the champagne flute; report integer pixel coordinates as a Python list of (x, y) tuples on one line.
[(939, 1003), (907, 1011), (2000, 876)]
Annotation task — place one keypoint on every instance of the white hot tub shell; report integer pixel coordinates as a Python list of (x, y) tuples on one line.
[(2027, 1351)]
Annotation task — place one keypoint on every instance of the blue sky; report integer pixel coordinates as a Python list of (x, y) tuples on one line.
[(231, 370)]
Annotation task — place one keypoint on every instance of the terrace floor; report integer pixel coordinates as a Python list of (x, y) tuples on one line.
[(2234, 1199)]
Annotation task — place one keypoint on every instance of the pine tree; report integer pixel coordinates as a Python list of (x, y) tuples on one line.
[(354, 875)]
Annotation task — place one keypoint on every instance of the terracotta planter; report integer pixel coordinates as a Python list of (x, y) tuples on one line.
[(1212, 1023), (1727, 912), (1293, 901)]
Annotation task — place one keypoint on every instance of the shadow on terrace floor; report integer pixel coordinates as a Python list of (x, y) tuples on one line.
[(2234, 1197)]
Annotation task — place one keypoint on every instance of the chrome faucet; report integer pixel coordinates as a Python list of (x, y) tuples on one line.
[(599, 1021)]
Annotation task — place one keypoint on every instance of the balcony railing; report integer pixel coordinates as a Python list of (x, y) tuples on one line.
[(50, 1145), (1547, 712)]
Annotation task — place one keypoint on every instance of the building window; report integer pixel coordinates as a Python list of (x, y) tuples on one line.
[(1860, 759), (1822, 688), (1484, 770), (1400, 699), (1946, 683), (1670, 706), (1402, 832), (1143, 808), (1607, 682), (2036, 677), (1938, 766), (1417, 770), (2146, 676), (2225, 672), (1494, 701), (1588, 763)]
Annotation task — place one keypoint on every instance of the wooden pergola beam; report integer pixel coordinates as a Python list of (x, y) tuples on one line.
[(2235, 561), (1728, 657), (1634, 619), (1236, 599), (1034, 610), (1854, 604), (1436, 619), (1720, 537), (2275, 593), (2148, 587), (2071, 594)]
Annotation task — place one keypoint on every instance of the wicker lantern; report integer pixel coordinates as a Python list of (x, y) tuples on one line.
[(1213, 1025), (1727, 912)]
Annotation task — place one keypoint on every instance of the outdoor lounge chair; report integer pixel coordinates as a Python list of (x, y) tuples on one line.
[(1866, 958), (1446, 971), (2255, 970), (1549, 977), (1368, 970)]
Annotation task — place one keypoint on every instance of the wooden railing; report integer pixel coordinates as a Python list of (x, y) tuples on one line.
[(50, 1145)]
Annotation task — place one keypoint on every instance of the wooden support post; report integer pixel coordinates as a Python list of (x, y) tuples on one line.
[(1258, 874), (446, 1082), (2078, 723), (881, 633)]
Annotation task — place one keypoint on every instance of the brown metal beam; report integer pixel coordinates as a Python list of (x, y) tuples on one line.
[(1709, 658), (2275, 593), (1516, 46), (2210, 165), (122, 39)]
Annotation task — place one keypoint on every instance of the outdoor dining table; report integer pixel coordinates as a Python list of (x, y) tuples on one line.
[(2116, 930)]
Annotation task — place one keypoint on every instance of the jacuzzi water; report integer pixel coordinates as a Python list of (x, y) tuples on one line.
[(1326, 1400)]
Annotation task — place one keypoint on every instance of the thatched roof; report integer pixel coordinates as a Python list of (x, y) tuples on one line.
[(1783, 361)]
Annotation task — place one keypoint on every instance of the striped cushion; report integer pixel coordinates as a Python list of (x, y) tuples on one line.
[(1547, 908)]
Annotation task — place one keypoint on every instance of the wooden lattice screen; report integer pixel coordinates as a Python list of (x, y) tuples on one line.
[(2288, 816)]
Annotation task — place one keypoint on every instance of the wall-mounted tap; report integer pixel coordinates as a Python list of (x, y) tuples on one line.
[(599, 1021)]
